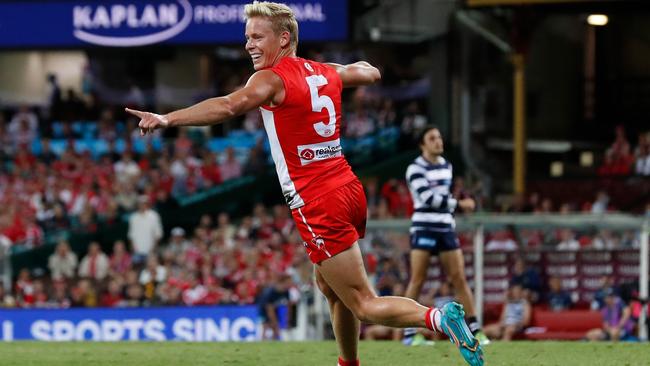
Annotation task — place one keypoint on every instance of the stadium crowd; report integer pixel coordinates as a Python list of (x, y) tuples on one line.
[(255, 259)]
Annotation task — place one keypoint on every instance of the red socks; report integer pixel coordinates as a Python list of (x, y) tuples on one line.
[(432, 319), (348, 363)]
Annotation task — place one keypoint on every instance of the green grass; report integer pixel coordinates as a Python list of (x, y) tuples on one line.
[(315, 353)]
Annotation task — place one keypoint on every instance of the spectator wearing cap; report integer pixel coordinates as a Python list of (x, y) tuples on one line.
[(178, 244), (63, 262), (145, 230), (95, 264)]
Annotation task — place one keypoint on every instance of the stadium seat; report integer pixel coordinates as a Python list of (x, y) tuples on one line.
[(563, 325)]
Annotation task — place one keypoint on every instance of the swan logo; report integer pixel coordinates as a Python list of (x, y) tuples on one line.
[(130, 25)]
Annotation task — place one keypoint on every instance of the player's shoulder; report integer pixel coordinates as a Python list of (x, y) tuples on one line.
[(267, 76), (419, 165)]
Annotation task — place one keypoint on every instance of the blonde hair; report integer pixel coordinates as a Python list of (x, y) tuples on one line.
[(280, 15)]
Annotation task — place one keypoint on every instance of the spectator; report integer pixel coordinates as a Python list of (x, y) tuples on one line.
[(257, 160), (60, 298), (95, 264), (58, 221), (6, 300), (515, 316), (120, 260), (501, 241), (606, 286), (54, 97), (63, 262), (83, 295), (210, 169), (24, 289), (618, 158), (600, 205), (567, 240), (617, 323), (605, 240), (126, 170), (642, 156), (145, 230), (231, 167), (270, 299), (178, 245), (153, 272), (24, 114), (134, 296), (527, 278), (413, 122), (557, 298), (113, 295)]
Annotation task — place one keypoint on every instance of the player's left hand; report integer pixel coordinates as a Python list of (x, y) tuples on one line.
[(148, 121)]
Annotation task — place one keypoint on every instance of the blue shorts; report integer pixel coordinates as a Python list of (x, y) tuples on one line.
[(434, 241)]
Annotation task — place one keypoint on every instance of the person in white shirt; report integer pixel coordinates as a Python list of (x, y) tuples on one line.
[(126, 170), (568, 241), (63, 262), (95, 264), (501, 241), (145, 230)]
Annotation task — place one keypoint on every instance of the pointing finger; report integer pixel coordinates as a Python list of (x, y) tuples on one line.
[(135, 112)]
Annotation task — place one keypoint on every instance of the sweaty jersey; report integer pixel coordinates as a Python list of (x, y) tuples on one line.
[(304, 131), (430, 185)]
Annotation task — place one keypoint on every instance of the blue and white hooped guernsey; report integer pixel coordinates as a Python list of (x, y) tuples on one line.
[(430, 186)]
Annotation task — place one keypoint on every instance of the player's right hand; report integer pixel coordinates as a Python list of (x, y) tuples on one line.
[(467, 204), (148, 121)]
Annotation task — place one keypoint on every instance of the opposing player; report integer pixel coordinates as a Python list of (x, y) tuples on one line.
[(300, 102), (432, 228)]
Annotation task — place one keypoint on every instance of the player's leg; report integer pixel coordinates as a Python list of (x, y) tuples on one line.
[(453, 264), (346, 275), (596, 335), (344, 323), (419, 262), (493, 330), (509, 332)]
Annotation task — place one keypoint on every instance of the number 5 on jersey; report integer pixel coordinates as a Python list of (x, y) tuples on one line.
[(318, 102)]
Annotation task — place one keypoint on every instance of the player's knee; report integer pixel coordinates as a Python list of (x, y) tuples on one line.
[(457, 279), (417, 280)]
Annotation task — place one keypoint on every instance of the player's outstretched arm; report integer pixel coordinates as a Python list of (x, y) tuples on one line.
[(263, 87), (357, 74)]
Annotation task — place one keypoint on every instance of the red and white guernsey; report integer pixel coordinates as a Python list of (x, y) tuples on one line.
[(304, 131)]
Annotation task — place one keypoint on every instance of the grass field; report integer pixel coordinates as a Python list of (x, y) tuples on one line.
[(314, 354)]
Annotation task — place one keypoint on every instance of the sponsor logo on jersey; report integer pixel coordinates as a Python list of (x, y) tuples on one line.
[(307, 154), (321, 151)]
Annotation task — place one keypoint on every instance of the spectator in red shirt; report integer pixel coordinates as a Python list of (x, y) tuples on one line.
[(120, 261), (113, 295)]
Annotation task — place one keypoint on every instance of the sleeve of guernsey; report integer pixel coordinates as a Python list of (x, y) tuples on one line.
[(419, 187)]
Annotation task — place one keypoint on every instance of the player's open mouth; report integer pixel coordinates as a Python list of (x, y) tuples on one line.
[(256, 56)]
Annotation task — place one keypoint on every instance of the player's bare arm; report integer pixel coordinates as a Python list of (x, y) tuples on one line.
[(357, 74), (263, 87)]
